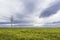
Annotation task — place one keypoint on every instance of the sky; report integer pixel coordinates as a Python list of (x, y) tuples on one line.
[(30, 12)]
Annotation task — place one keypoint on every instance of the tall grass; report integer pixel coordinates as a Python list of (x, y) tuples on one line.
[(29, 33)]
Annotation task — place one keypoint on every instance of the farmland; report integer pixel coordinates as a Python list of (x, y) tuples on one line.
[(29, 33)]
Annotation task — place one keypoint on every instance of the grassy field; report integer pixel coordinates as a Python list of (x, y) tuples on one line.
[(29, 33)]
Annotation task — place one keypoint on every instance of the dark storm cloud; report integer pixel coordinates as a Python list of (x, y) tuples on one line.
[(50, 10)]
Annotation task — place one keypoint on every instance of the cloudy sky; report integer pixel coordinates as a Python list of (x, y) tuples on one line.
[(30, 12)]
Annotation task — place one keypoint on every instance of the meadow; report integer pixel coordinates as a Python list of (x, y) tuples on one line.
[(29, 33)]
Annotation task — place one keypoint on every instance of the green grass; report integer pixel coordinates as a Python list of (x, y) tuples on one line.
[(29, 33)]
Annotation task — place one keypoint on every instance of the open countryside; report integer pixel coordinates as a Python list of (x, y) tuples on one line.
[(29, 33)]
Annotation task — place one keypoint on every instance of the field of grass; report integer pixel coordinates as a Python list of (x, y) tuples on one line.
[(29, 33)]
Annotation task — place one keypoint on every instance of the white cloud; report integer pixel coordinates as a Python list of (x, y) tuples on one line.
[(10, 7), (42, 21), (54, 18), (13, 7), (42, 5)]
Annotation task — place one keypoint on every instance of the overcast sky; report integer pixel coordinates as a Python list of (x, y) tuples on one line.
[(30, 12)]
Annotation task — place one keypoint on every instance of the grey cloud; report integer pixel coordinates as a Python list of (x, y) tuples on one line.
[(52, 24), (27, 13), (30, 6), (50, 10)]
